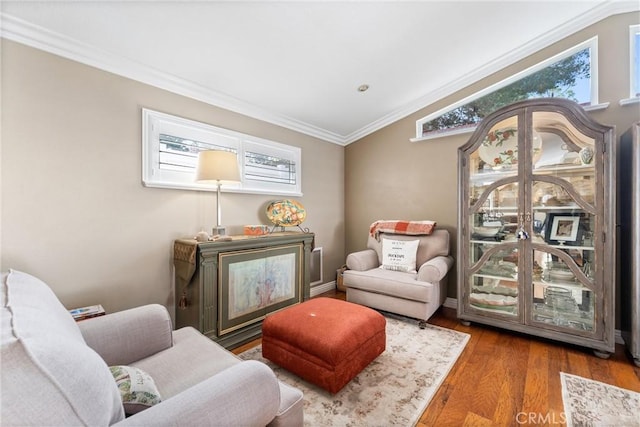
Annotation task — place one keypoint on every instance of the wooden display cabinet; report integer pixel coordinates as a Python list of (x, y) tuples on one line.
[(536, 235)]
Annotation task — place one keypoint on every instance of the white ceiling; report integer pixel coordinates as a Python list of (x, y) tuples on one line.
[(299, 64)]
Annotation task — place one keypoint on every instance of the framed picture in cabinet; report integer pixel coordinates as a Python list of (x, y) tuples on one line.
[(253, 283), (563, 229)]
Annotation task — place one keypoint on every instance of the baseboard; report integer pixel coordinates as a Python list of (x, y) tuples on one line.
[(453, 303), (320, 289)]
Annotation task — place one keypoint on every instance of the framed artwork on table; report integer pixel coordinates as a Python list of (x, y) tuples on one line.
[(253, 283), (563, 229)]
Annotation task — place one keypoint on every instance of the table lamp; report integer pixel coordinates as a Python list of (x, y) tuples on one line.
[(215, 166)]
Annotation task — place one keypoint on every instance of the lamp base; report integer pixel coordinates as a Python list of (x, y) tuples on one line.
[(219, 231)]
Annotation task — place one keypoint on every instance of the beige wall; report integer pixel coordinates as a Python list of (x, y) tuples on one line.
[(74, 211), (389, 177)]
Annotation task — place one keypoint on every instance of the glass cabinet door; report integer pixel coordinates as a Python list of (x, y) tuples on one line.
[(563, 188), (545, 242), (492, 206), (562, 291)]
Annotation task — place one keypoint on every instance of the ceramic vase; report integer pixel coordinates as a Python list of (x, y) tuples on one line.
[(586, 155)]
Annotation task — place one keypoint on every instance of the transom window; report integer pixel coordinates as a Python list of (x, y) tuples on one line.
[(571, 74), (170, 147)]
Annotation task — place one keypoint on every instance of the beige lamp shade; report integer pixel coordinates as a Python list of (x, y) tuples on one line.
[(215, 166)]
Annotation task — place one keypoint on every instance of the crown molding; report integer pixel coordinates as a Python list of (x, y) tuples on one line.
[(594, 15), (23, 32)]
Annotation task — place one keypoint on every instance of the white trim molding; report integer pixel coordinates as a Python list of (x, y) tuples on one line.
[(629, 101), (321, 289), (451, 303)]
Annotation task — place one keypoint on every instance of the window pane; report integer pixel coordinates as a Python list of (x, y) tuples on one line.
[(264, 168), (180, 154), (569, 78)]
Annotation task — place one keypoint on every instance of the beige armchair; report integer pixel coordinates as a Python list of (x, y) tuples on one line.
[(56, 371), (414, 294)]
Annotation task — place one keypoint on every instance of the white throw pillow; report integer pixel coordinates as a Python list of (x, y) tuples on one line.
[(137, 389), (399, 255)]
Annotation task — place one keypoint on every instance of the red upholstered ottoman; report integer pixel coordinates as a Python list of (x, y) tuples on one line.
[(324, 340)]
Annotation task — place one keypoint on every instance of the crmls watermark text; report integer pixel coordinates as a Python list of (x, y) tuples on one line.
[(538, 418)]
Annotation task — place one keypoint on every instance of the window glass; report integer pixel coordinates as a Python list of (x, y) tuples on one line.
[(270, 166), (265, 168), (634, 40), (179, 154), (568, 75)]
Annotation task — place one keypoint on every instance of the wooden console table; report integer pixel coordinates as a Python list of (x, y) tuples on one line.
[(226, 288)]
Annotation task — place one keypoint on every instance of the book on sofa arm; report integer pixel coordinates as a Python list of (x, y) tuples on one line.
[(87, 312)]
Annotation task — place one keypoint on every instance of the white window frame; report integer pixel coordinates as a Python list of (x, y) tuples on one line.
[(591, 43), (154, 123), (634, 72)]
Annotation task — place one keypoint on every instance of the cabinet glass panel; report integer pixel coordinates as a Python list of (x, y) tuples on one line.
[(561, 195), (559, 218), (498, 151), (493, 212), (493, 188), (562, 289), (563, 152), (494, 285)]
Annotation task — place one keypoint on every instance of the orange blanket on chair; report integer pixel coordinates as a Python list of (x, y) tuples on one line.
[(413, 228)]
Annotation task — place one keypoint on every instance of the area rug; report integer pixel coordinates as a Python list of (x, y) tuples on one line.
[(589, 403), (394, 389)]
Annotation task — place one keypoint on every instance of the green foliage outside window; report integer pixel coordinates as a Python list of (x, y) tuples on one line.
[(556, 80)]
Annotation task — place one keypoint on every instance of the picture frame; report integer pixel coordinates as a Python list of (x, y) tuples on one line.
[(563, 229), (253, 283)]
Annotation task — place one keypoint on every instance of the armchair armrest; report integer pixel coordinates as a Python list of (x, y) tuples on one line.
[(246, 394), (130, 335), (435, 269), (363, 260)]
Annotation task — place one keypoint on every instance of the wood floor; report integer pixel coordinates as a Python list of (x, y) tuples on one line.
[(509, 379)]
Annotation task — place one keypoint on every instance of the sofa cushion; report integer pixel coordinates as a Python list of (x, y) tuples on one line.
[(206, 359), (394, 283), (399, 255), (172, 374), (137, 389), (46, 360)]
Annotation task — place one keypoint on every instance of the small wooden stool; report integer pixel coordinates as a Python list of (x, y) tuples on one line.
[(324, 340)]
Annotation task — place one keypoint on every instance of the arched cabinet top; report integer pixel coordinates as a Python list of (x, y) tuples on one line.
[(569, 117)]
